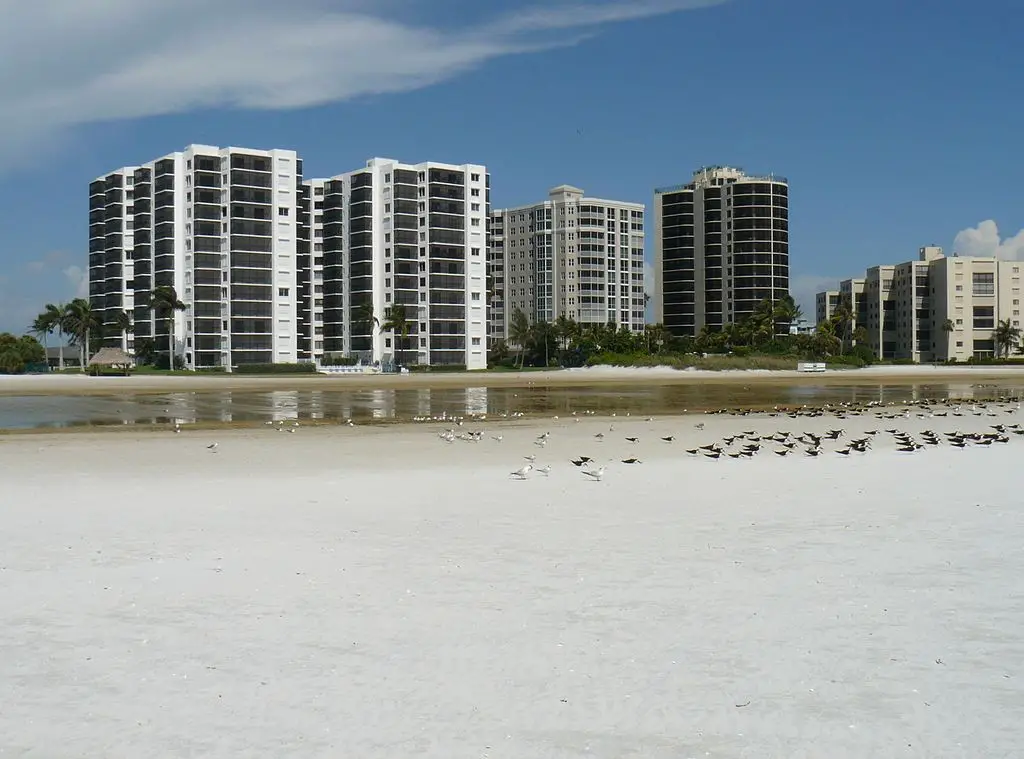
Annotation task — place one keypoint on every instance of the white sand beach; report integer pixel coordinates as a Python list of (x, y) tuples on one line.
[(378, 592)]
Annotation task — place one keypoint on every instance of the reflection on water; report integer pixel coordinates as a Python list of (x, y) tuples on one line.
[(382, 405)]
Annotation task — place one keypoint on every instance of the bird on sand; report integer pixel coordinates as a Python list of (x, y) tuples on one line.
[(521, 472), (212, 447), (631, 461), (595, 474)]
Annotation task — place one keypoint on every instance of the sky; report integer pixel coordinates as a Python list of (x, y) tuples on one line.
[(897, 122)]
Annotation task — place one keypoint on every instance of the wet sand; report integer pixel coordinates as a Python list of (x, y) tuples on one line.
[(74, 384), (379, 592)]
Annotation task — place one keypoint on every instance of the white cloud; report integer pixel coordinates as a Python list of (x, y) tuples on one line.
[(122, 59), (984, 240), (78, 278)]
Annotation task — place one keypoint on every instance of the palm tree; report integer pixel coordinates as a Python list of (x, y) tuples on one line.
[(42, 328), (761, 323), (395, 321), (54, 319), (1006, 337), (80, 322), (842, 322), (365, 317), (123, 324), (542, 335), (164, 300), (948, 327), (519, 332), (786, 312)]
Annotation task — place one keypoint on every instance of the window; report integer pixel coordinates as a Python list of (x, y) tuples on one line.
[(476, 341), (959, 343), (476, 296), (475, 193), (282, 211), (474, 177), (474, 207), (282, 292), (476, 252), (475, 222), (984, 317), (983, 283)]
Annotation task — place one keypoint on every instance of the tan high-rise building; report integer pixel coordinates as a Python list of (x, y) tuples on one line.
[(935, 308), (572, 256)]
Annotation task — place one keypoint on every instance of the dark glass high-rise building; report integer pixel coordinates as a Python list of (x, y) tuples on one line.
[(721, 247)]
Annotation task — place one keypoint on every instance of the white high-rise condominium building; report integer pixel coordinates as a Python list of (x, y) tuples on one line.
[(220, 226), (572, 256), (396, 238), (111, 246), (721, 247)]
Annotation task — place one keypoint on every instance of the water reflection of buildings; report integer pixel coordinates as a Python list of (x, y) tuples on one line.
[(476, 401)]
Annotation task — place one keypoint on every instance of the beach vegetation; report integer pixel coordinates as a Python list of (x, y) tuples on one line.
[(82, 324), (1007, 338), (165, 302), (17, 354), (761, 341), (306, 368), (52, 320), (397, 322)]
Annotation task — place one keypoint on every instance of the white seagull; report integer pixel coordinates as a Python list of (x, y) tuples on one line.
[(212, 446), (521, 472), (545, 470), (595, 474)]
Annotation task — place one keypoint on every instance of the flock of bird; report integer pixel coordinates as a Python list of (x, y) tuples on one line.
[(748, 443), (835, 440)]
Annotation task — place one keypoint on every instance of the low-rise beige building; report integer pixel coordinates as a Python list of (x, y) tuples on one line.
[(825, 304), (935, 308)]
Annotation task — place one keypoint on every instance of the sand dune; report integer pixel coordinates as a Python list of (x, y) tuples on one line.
[(380, 592)]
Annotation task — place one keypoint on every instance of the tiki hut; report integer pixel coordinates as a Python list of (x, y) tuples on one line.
[(112, 357)]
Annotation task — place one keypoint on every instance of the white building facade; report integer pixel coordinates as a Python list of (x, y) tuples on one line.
[(111, 250), (572, 256), (396, 239), (220, 226)]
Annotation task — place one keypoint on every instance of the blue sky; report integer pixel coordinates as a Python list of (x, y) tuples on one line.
[(898, 122)]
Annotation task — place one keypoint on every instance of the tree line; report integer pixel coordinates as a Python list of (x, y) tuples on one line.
[(565, 342), (77, 324)]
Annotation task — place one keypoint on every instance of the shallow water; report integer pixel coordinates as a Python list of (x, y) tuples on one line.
[(390, 405)]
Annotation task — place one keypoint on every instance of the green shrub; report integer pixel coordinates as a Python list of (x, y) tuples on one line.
[(276, 369), (437, 368), (847, 360)]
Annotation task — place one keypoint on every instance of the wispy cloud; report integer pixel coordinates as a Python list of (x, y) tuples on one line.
[(123, 59), (52, 277), (804, 287), (985, 240)]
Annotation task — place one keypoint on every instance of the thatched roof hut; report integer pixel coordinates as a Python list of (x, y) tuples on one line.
[(112, 357)]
